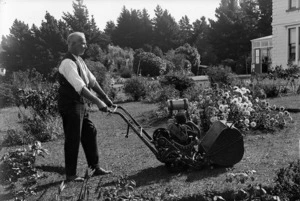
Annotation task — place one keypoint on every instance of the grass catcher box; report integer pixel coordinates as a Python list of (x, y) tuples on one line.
[(223, 145)]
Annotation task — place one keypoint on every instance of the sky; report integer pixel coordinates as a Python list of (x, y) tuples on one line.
[(33, 11)]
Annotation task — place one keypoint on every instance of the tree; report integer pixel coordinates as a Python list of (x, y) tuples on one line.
[(165, 30), (231, 33), (199, 39), (134, 29), (185, 30), (80, 21), (19, 49), (109, 28), (265, 18)]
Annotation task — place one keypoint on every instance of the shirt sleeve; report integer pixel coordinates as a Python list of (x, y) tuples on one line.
[(91, 77), (68, 69)]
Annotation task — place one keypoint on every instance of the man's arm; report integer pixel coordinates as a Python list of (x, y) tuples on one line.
[(90, 96), (102, 94)]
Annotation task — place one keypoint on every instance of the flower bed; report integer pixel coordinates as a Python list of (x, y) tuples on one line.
[(238, 107)]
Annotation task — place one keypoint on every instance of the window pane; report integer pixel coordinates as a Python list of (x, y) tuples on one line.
[(292, 44), (292, 35), (293, 3)]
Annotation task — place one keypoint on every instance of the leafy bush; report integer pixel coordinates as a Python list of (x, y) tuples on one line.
[(192, 93), (176, 61), (167, 92), (191, 54), (287, 181), (20, 163), (148, 64), (42, 102), (271, 90), (135, 87), (157, 51), (237, 106), (42, 129), (42, 123), (219, 75), (15, 137), (116, 58), (153, 89), (180, 81), (125, 72)]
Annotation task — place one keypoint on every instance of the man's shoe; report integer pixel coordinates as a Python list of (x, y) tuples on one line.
[(100, 171), (74, 178)]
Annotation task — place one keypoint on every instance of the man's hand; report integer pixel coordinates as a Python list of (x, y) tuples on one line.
[(109, 103)]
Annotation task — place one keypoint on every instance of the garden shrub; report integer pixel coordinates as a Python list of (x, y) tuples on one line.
[(42, 102), (180, 81), (15, 137), (219, 75), (43, 123), (237, 106), (158, 52), (192, 93), (287, 181), (102, 76), (148, 64), (176, 61), (20, 164), (95, 53), (191, 54), (271, 90), (125, 72), (42, 130), (135, 87), (117, 57), (166, 93), (153, 89)]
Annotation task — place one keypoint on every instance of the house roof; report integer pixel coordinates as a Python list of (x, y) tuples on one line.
[(262, 38)]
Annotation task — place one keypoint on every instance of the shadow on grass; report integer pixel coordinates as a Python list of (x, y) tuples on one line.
[(47, 168), (205, 173), (158, 174), (7, 196)]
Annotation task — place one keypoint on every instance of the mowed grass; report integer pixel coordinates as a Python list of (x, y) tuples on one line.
[(264, 152)]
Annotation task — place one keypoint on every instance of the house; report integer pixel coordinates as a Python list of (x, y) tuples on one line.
[(283, 46)]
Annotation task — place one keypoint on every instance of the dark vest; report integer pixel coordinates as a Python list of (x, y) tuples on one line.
[(66, 93)]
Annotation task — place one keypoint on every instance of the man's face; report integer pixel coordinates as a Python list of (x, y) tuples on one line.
[(80, 46)]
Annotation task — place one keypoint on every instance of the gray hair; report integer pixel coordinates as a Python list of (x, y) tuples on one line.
[(73, 38)]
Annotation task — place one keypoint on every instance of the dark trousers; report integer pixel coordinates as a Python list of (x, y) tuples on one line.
[(78, 128)]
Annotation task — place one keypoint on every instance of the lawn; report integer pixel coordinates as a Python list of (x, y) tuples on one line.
[(264, 152)]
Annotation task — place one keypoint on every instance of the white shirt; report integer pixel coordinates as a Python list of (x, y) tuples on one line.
[(68, 69)]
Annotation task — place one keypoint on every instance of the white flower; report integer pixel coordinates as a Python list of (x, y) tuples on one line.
[(213, 119), (247, 113), (234, 101), (221, 108), (253, 124), (240, 99), (246, 121), (286, 113), (226, 95)]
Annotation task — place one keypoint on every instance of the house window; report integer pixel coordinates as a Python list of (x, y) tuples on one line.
[(293, 4), (292, 44)]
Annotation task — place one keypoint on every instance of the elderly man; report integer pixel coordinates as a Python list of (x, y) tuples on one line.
[(75, 82)]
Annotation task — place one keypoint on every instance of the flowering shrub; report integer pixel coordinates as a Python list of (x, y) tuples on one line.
[(237, 106)]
